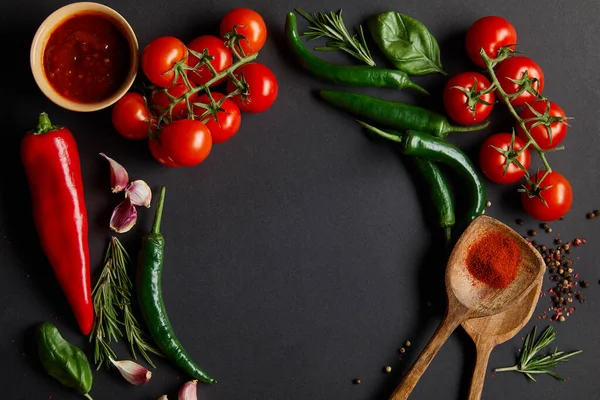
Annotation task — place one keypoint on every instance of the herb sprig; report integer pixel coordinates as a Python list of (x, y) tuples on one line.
[(331, 25), (112, 299), (530, 363)]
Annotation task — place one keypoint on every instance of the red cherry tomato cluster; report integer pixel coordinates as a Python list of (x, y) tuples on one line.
[(183, 116), (504, 158)]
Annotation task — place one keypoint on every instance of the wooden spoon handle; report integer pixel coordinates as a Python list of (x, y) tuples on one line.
[(409, 381), (484, 349)]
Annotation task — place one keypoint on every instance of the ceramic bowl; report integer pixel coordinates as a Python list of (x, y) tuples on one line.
[(41, 39)]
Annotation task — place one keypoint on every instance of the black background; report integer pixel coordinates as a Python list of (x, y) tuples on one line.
[(298, 255)]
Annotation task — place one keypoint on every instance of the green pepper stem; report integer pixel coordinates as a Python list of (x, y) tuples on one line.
[(88, 396), (448, 235), (380, 132), (471, 128), (44, 125), (159, 211)]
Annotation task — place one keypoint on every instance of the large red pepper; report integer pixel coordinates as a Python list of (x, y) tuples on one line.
[(53, 170)]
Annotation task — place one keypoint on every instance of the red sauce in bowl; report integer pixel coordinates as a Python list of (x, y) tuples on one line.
[(87, 58)]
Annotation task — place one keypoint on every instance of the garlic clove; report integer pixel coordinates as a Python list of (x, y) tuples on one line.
[(140, 193), (163, 397), (133, 372), (118, 175), (188, 391), (123, 217)]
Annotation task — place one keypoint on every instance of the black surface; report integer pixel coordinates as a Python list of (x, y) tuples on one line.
[(298, 257)]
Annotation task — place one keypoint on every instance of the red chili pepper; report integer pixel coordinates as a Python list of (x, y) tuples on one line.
[(53, 170)]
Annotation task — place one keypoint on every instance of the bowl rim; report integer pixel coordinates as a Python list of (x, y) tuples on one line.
[(42, 35)]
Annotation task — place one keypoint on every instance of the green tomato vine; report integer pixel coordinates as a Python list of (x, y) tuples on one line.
[(181, 69), (527, 85)]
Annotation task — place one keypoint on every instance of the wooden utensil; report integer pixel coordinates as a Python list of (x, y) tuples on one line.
[(488, 332), (469, 298)]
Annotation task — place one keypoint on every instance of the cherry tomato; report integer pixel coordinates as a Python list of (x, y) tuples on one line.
[(462, 100), (493, 163), (159, 57), (131, 117), (556, 192), (262, 85), (540, 133), (159, 155), (217, 49), (490, 33), (186, 142), (160, 100), (228, 121), (248, 23), (515, 68)]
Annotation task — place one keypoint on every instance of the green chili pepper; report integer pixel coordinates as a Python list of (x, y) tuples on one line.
[(344, 75), (439, 192), (63, 361), (434, 149), (394, 114), (150, 265)]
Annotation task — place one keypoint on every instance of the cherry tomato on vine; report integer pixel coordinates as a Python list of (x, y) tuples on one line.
[(463, 100), (161, 101), (217, 49), (515, 68), (159, 57), (556, 192), (227, 122), (186, 142), (541, 133), (131, 116), (159, 155), (248, 23), (490, 33), (493, 163), (262, 85)]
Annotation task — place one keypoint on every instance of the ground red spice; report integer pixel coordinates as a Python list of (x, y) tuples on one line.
[(494, 260)]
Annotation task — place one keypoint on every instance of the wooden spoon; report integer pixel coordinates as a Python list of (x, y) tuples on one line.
[(488, 332), (469, 298)]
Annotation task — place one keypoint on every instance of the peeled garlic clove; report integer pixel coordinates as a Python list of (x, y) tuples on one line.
[(133, 372), (188, 391), (123, 217), (118, 175), (140, 193), (163, 397)]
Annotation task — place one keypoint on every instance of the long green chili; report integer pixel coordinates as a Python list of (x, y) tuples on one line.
[(394, 114), (150, 266), (344, 75)]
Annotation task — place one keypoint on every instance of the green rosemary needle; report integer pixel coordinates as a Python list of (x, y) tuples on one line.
[(530, 363), (112, 304), (331, 25)]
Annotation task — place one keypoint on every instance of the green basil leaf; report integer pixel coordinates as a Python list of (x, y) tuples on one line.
[(406, 43), (61, 360)]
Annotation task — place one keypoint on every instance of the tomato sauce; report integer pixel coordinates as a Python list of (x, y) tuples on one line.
[(87, 58)]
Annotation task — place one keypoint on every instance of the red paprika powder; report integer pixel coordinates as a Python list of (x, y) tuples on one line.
[(494, 260)]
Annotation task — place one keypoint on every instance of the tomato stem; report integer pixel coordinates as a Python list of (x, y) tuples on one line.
[(490, 64), (205, 87)]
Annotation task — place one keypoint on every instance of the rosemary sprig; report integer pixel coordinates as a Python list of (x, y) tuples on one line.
[(331, 25), (112, 299), (530, 363)]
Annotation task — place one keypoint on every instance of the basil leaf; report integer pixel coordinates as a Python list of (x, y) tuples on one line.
[(406, 43), (61, 360)]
